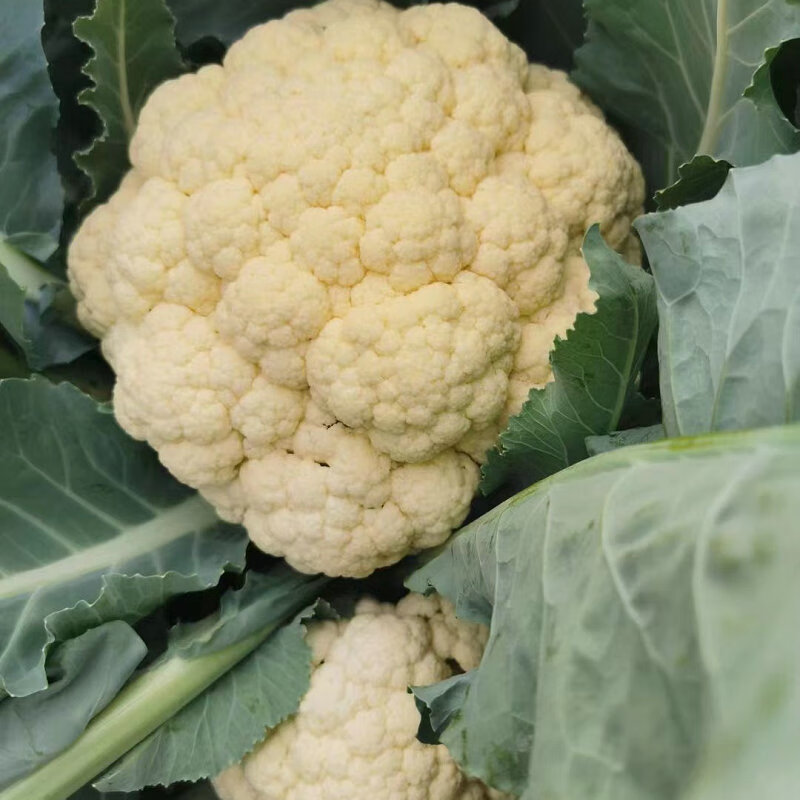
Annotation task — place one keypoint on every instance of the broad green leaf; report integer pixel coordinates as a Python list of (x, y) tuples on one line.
[(92, 528), (30, 191), (199, 656), (78, 125), (225, 722), (232, 716), (728, 302), (35, 312), (440, 704), (612, 441), (594, 369), (88, 672), (12, 304), (679, 70), (134, 51), (699, 179), (644, 610)]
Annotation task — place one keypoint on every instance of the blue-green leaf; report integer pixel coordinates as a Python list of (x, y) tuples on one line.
[(36, 311), (134, 51), (199, 658), (31, 198), (644, 609), (594, 370), (679, 70), (232, 716), (612, 441), (728, 302), (92, 528), (88, 672)]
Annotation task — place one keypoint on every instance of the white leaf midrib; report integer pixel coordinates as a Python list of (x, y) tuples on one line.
[(193, 514), (710, 131), (128, 118)]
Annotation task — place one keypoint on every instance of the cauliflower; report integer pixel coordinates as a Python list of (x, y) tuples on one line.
[(338, 266), (354, 735)]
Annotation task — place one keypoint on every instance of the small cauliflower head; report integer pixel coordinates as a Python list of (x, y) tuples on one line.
[(338, 265), (354, 735)]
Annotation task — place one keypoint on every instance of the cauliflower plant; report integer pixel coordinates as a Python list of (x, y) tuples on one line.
[(354, 735), (338, 265)]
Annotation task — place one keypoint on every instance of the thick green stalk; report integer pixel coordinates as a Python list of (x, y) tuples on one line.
[(24, 271), (145, 704)]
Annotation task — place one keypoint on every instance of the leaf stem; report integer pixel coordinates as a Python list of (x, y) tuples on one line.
[(24, 271), (164, 527), (124, 91), (145, 704), (708, 139)]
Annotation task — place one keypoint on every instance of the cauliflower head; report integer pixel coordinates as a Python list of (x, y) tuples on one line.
[(354, 735), (338, 265)]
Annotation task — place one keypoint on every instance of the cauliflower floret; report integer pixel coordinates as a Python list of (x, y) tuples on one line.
[(266, 414), (532, 363), (148, 242), (327, 496), (417, 236), (354, 735), (177, 383), (272, 304), (326, 241), (339, 264), (418, 372), (206, 146), (90, 251), (225, 227), (522, 244), (173, 102), (580, 164)]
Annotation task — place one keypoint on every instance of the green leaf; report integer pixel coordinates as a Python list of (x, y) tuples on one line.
[(679, 71), (13, 296), (440, 704), (263, 690), (613, 441), (644, 609), (729, 309), (89, 672), (699, 179), (30, 191), (78, 125), (34, 311), (134, 51), (199, 656), (594, 369), (92, 528)]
